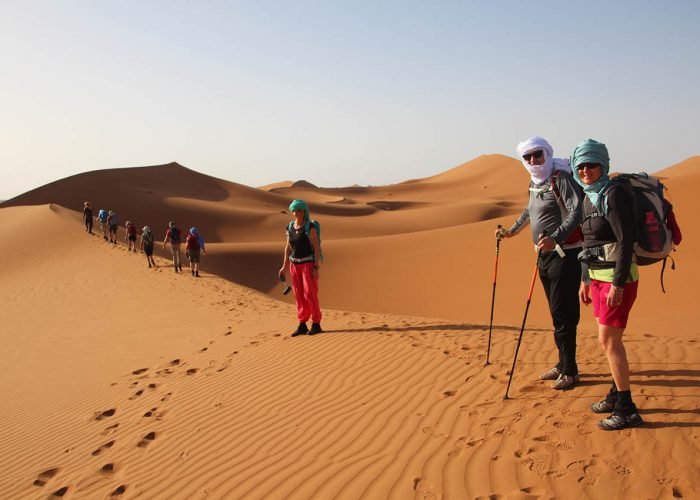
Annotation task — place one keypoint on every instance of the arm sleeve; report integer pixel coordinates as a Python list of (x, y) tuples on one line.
[(621, 220), (572, 198), (522, 221)]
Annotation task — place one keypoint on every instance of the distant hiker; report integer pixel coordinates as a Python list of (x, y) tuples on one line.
[(302, 256), (172, 235), (554, 209), (87, 216), (147, 241), (611, 285), (113, 225), (102, 216), (131, 233), (194, 245)]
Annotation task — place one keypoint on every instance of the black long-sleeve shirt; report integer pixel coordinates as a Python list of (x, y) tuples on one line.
[(615, 230)]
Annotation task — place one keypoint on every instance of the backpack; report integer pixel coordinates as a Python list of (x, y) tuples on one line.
[(102, 215), (114, 219), (131, 229), (174, 235), (307, 227), (192, 242), (147, 238), (656, 231)]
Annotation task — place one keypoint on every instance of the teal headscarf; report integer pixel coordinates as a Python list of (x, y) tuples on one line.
[(300, 205), (590, 151)]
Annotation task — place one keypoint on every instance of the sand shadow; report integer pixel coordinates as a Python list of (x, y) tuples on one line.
[(456, 327)]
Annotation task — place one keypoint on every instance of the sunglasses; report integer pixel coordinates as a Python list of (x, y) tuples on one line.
[(588, 166), (535, 154)]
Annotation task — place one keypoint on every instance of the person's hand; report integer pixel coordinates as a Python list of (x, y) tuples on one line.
[(281, 271), (502, 232), (614, 297), (315, 272), (546, 244), (203, 252), (584, 293)]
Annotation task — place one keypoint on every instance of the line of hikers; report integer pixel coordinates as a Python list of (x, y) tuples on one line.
[(109, 223)]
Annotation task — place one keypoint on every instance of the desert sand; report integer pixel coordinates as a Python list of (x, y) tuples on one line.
[(123, 381)]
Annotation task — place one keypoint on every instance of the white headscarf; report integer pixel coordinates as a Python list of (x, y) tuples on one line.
[(540, 173)]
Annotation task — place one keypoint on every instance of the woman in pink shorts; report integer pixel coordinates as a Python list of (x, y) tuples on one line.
[(610, 276)]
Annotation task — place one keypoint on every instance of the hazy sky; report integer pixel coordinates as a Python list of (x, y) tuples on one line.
[(339, 92)]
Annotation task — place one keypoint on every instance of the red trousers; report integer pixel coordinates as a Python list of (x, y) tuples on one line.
[(305, 287)]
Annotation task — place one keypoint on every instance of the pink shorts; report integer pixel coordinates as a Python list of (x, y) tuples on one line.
[(616, 316)]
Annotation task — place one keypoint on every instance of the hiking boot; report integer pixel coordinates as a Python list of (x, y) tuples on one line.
[(315, 328), (617, 422), (552, 374), (180, 268), (604, 406), (192, 273), (565, 382), (302, 329), (196, 273)]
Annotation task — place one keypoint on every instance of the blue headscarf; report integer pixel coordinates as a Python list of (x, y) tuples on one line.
[(300, 205), (590, 151)]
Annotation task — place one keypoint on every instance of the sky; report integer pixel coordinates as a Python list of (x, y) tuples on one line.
[(339, 92)]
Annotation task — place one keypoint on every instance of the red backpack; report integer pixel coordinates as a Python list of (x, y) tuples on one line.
[(131, 229)]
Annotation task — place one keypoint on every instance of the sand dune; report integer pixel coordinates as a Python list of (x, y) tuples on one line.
[(125, 381)]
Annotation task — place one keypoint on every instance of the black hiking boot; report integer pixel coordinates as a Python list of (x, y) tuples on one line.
[(618, 421), (302, 329), (196, 273), (315, 328)]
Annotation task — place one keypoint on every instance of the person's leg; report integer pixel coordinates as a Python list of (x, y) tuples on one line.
[(544, 264), (311, 293), (610, 339), (298, 285), (565, 278)]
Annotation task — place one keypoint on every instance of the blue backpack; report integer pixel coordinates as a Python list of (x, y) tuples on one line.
[(102, 215), (307, 227)]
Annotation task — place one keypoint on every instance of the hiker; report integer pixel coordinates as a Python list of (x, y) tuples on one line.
[(610, 285), (194, 245), (130, 237), (87, 217), (112, 225), (147, 241), (302, 254), (102, 216), (554, 209), (172, 235)]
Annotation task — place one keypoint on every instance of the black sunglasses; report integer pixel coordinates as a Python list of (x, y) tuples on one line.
[(589, 166), (535, 154)]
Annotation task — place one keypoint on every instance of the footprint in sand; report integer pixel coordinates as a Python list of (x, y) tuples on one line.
[(147, 439), (121, 489), (102, 448), (60, 492), (107, 469), (175, 362), (44, 477), (136, 394), (104, 414), (139, 371), (110, 429), (449, 394), (192, 371)]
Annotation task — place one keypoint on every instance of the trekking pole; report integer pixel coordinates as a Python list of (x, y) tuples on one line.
[(493, 294), (522, 328)]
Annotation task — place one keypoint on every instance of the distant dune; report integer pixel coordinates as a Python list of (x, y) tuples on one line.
[(124, 381)]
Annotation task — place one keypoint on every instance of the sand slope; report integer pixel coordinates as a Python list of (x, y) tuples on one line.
[(123, 381)]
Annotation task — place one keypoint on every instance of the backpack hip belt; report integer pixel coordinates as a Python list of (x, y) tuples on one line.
[(293, 260)]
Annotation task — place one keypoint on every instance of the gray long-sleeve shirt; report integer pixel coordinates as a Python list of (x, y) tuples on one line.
[(545, 213)]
